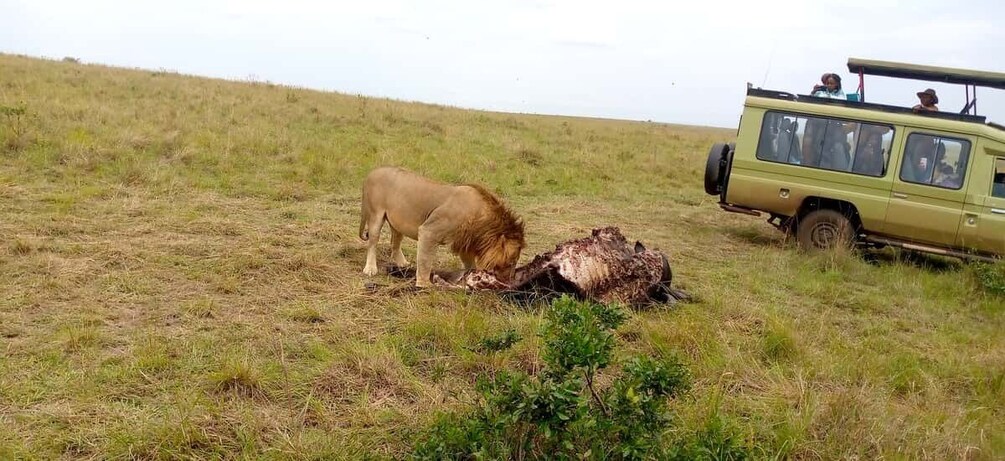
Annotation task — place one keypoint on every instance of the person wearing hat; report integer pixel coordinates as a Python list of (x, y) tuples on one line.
[(928, 101)]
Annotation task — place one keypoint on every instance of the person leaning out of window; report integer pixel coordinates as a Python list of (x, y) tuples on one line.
[(928, 102), (831, 87)]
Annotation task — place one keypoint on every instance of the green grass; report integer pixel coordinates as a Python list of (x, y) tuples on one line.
[(180, 278)]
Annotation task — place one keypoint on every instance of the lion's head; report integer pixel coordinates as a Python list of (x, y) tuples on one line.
[(495, 239)]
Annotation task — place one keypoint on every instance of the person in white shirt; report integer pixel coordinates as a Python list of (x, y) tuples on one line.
[(831, 87)]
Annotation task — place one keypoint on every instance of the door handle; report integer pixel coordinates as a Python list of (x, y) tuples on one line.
[(997, 211), (899, 195)]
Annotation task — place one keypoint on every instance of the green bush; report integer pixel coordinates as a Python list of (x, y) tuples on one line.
[(991, 277), (715, 441), (560, 413), (13, 126), (499, 342), (579, 335)]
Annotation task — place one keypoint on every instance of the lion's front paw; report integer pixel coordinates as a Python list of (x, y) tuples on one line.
[(370, 270)]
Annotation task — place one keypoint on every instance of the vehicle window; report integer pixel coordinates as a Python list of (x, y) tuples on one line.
[(819, 142), (936, 161), (998, 186)]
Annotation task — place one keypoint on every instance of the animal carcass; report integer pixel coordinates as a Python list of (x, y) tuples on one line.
[(602, 267)]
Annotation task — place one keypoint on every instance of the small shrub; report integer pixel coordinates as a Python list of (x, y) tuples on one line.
[(499, 342), (462, 437), (560, 413), (991, 277), (14, 111), (580, 334), (715, 441), (530, 157), (13, 126), (638, 408)]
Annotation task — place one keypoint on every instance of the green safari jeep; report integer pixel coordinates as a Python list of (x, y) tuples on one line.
[(841, 172)]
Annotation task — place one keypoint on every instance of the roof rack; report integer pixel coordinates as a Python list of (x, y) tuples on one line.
[(970, 79), (782, 95), (962, 117), (928, 73)]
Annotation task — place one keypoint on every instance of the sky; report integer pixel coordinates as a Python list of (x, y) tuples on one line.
[(674, 62)]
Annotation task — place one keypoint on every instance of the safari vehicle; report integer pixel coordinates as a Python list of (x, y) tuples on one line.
[(841, 172)]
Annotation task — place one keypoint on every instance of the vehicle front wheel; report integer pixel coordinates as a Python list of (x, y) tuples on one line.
[(825, 229)]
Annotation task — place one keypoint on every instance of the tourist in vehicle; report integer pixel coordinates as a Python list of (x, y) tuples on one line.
[(831, 87), (825, 143), (787, 142), (834, 154), (919, 161), (998, 189), (869, 158), (767, 149), (812, 142), (949, 177), (928, 102)]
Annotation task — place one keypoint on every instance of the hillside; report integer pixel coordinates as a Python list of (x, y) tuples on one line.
[(180, 278)]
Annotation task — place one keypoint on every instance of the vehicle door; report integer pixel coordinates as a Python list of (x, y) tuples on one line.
[(926, 201), (983, 228)]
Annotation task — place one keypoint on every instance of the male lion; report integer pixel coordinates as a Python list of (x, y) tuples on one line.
[(475, 223)]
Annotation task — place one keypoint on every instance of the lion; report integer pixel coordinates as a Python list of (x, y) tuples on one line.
[(479, 228)]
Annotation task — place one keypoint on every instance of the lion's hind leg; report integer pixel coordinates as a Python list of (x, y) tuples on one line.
[(396, 254), (376, 222)]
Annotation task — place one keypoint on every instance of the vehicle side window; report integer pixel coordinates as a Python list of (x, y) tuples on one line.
[(998, 186), (936, 161), (819, 142)]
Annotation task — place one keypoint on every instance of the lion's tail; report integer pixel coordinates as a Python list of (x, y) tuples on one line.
[(364, 217)]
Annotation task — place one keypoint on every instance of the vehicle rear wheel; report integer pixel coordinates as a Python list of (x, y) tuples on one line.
[(714, 167), (825, 229)]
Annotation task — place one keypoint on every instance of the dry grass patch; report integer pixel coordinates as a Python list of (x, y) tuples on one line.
[(368, 385)]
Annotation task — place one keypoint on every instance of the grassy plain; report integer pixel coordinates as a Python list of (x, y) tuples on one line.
[(180, 278)]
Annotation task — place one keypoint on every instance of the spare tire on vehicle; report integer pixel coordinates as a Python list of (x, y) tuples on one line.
[(715, 168)]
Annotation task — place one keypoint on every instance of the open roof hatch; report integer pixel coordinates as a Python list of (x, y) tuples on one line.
[(970, 79)]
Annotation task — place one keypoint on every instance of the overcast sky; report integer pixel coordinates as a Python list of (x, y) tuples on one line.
[(679, 62)]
